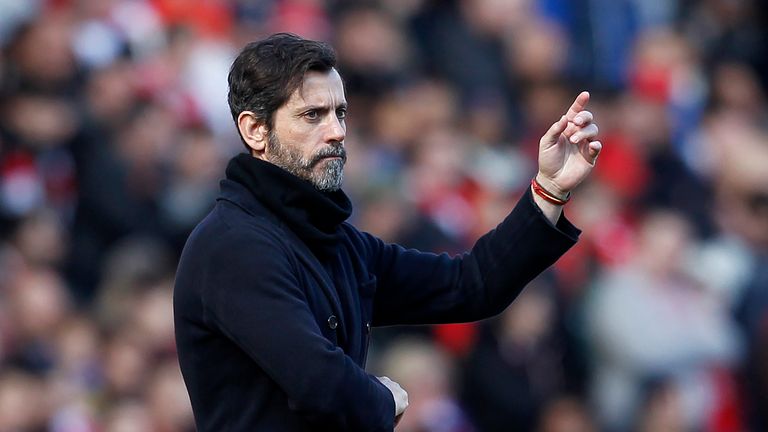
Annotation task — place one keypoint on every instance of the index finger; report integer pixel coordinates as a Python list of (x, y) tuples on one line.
[(578, 105)]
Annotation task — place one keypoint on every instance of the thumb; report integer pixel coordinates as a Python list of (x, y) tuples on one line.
[(553, 133)]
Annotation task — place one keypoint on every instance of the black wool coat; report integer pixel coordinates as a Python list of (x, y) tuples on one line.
[(272, 332)]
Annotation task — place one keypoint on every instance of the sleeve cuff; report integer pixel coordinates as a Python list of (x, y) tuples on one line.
[(563, 225)]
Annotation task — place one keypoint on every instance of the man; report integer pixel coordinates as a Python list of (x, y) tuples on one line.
[(276, 294)]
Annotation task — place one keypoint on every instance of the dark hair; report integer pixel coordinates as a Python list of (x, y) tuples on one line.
[(267, 72)]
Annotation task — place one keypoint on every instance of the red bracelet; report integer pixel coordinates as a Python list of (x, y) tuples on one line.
[(547, 195)]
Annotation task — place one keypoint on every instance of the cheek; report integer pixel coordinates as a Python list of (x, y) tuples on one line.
[(300, 134), (307, 140)]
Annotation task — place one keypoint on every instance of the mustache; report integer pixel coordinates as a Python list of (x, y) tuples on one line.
[(336, 150)]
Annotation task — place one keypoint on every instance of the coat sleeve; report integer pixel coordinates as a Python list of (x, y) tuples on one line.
[(424, 288), (253, 296)]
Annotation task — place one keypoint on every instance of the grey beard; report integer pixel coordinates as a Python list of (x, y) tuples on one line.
[(328, 179), (331, 177)]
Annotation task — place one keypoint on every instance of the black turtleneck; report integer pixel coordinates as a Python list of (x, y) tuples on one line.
[(313, 215)]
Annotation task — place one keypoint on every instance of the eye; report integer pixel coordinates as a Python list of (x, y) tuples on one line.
[(312, 115), (341, 113)]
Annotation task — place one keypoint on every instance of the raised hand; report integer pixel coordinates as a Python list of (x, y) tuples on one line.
[(567, 151)]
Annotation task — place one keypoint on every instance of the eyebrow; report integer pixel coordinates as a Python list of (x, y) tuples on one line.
[(320, 107)]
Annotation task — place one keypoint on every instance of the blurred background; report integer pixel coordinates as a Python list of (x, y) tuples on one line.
[(114, 131)]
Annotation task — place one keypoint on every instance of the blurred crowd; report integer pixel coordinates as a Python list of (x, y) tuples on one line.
[(114, 132)]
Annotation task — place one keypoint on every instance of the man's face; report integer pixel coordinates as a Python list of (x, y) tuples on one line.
[(307, 139)]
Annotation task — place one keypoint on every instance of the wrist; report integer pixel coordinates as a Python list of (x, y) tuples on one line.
[(549, 191)]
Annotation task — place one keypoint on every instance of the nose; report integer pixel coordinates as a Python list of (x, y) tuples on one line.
[(336, 130)]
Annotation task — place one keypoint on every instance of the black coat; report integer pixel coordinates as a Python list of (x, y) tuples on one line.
[(272, 334)]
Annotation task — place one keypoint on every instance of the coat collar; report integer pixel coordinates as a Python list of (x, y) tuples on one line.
[(314, 216)]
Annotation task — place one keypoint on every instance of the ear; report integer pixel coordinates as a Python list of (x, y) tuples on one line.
[(254, 132)]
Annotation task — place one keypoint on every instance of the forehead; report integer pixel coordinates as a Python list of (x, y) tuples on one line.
[(319, 88)]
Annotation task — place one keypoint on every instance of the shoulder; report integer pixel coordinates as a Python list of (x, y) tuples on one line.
[(228, 233), (231, 251), (362, 243), (372, 251)]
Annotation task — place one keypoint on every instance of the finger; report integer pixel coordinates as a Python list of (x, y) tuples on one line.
[(583, 118), (593, 151), (586, 133), (551, 136), (570, 129), (578, 105)]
